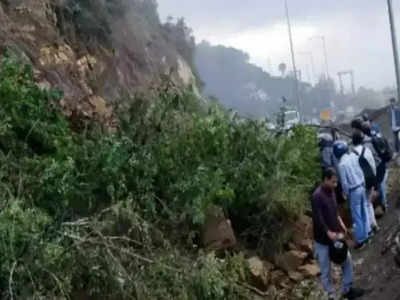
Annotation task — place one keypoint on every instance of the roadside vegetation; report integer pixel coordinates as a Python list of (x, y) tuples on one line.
[(117, 213)]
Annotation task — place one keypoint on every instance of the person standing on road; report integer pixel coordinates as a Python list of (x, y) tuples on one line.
[(382, 153), (327, 228), (367, 161), (395, 117), (353, 186)]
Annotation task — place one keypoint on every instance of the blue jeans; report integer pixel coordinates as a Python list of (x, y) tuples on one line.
[(396, 141), (371, 222), (359, 213), (324, 261), (382, 190)]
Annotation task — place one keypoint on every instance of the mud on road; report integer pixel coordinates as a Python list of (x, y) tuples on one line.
[(375, 267)]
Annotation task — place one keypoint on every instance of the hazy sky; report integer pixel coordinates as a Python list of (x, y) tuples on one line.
[(356, 31)]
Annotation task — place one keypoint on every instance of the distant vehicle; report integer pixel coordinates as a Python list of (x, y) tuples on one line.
[(292, 118)]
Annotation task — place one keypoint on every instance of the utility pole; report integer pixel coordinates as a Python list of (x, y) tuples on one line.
[(353, 85), (296, 82), (340, 74), (395, 48)]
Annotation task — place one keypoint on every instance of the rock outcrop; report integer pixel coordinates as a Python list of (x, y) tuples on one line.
[(91, 72)]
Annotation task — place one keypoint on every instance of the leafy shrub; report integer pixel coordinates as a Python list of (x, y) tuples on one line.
[(109, 214)]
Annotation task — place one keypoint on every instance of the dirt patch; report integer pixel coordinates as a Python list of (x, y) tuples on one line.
[(375, 266)]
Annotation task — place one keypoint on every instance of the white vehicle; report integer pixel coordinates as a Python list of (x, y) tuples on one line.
[(292, 118)]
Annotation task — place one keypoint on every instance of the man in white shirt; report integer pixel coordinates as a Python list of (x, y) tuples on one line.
[(353, 186), (372, 184)]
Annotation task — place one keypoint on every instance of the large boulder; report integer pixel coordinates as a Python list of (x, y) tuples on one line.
[(290, 261), (302, 230), (217, 233)]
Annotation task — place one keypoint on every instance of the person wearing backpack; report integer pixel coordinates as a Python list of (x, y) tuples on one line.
[(353, 186), (329, 244), (367, 164), (326, 149), (383, 154)]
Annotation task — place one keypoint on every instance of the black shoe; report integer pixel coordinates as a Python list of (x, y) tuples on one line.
[(354, 293)]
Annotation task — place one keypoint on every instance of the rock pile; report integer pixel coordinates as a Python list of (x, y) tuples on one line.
[(289, 268)]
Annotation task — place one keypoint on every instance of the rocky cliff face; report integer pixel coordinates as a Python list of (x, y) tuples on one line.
[(92, 72)]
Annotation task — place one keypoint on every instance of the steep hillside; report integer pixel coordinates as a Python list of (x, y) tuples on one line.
[(93, 50)]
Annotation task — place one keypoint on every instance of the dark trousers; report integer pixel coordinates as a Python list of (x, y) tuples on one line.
[(396, 141)]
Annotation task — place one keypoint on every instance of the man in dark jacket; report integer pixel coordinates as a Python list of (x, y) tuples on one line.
[(327, 226)]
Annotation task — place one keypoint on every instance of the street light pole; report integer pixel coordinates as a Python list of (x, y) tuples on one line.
[(322, 38), (311, 56), (296, 82), (326, 57), (395, 48)]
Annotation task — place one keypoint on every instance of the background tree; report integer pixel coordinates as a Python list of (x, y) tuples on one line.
[(282, 68)]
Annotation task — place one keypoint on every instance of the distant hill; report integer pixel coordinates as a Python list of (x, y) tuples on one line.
[(238, 84)]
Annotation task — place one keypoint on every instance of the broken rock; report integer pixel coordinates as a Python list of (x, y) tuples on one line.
[(217, 233), (291, 260), (310, 270), (307, 246), (302, 230), (259, 274), (277, 277), (296, 276)]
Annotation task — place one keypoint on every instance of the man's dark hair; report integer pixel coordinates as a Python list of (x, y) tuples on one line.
[(366, 129), (357, 138), (356, 124), (328, 173)]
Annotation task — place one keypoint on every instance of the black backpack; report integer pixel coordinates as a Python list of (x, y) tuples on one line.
[(382, 147), (369, 175)]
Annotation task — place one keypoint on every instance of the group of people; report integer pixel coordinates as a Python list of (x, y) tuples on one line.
[(355, 172)]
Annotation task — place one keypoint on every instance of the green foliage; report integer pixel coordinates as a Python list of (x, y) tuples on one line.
[(109, 214), (28, 117)]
